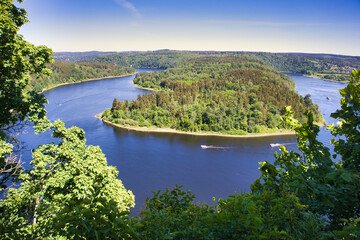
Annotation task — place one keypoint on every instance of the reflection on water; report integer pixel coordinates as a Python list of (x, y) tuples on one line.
[(152, 161)]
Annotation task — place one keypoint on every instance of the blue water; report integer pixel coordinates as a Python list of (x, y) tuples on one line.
[(151, 161)]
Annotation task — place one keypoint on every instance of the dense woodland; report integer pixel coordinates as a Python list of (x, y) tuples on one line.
[(325, 66), (158, 59), (228, 95), (79, 56), (64, 72)]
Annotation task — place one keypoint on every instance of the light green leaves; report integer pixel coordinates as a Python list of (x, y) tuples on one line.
[(73, 187)]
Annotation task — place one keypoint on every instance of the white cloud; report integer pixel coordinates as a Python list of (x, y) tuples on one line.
[(134, 11)]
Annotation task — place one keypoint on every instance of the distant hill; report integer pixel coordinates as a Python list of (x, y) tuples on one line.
[(78, 56), (325, 66)]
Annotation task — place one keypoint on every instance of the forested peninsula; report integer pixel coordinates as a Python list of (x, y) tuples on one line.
[(221, 95), (66, 73)]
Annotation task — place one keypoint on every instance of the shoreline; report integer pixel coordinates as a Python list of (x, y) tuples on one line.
[(144, 88), (85, 80), (330, 80), (169, 130), (315, 76)]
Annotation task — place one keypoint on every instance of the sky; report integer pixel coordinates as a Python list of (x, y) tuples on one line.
[(310, 26)]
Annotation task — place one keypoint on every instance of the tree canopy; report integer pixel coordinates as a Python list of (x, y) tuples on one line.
[(64, 72), (227, 95), (18, 61), (70, 193), (325, 66)]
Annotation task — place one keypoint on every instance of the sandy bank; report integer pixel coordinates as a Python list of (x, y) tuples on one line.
[(170, 130), (145, 88)]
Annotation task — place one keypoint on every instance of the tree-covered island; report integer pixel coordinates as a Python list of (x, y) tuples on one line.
[(222, 95)]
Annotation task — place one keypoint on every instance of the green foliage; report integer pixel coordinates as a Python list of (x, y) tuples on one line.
[(228, 95), (69, 192), (303, 195), (158, 59), (18, 60), (245, 216), (173, 201), (329, 188), (10, 167), (63, 72), (328, 67), (349, 124), (171, 215), (324, 66), (265, 216)]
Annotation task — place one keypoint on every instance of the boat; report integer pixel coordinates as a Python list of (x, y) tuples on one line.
[(204, 146), (279, 144), (328, 98), (275, 144), (212, 146)]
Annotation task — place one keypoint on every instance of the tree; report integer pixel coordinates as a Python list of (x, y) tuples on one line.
[(173, 215), (328, 187), (349, 125), (69, 192), (307, 100), (18, 61)]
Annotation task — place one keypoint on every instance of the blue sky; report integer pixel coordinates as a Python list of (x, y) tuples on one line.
[(312, 26)]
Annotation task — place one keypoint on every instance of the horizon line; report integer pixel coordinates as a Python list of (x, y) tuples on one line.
[(215, 51)]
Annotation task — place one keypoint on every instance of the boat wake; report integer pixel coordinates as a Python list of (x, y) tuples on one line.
[(279, 144), (212, 146)]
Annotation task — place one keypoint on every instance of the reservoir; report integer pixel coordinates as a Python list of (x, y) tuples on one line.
[(152, 161)]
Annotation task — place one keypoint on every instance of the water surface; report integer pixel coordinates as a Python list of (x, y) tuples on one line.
[(151, 161)]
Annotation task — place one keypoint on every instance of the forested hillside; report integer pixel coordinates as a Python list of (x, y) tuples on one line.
[(325, 66), (228, 95), (63, 72), (158, 59), (79, 56)]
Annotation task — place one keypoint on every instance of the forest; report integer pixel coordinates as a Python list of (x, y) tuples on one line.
[(64, 72), (161, 59), (324, 66), (227, 95)]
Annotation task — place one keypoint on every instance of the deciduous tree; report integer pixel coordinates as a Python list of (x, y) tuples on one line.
[(19, 60)]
